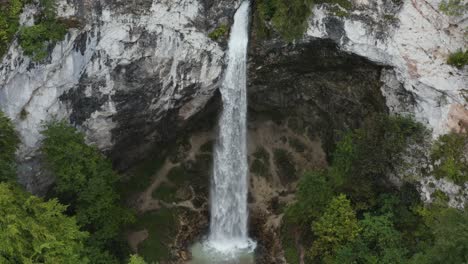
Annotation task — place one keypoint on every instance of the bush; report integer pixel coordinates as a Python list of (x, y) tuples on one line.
[(9, 22), (34, 231), (8, 145), (219, 32), (449, 157), (458, 59), (289, 17), (85, 180), (365, 156), (35, 40)]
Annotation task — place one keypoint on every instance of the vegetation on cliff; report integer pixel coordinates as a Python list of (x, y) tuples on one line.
[(87, 230), (289, 18), (8, 145), (35, 40), (369, 220)]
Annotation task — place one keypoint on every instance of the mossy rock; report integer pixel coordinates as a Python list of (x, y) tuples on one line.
[(178, 175)]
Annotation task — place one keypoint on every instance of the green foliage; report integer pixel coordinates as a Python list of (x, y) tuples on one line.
[(366, 155), (261, 163), (34, 231), (458, 59), (450, 229), (8, 145), (9, 22), (312, 196), (85, 179), (378, 242), (453, 7), (219, 32), (449, 157), (289, 17), (337, 226), (161, 226), (35, 40), (135, 259)]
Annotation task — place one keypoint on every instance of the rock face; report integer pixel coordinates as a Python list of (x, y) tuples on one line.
[(130, 78), (413, 38)]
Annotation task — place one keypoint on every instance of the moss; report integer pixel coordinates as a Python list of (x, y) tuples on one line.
[(219, 32), (165, 192), (162, 226), (453, 7), (458, 59), (285, 165)]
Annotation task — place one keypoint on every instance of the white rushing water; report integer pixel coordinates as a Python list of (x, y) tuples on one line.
[(228, 226)]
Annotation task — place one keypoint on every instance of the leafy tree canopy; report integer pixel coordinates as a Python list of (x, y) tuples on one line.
[(34, 231), (8, 145)]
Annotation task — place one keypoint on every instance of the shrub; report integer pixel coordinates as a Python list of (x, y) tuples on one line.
[(289, 17), (35, 40), (85, 180), (8, 145), (34, 231), (449, 157), (9, 22), (458, 59), (219, 32)]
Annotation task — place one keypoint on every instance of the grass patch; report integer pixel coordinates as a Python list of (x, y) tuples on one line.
[(220, 32), (165, 192), (458, 59), (162, 227)]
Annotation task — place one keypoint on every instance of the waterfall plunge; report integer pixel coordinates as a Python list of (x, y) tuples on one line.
[(229, 214)]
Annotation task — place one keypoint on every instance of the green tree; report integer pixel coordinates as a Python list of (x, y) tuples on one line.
[(85, 180), (9, 22), (8, 145), (450, 229), (449, 158), (34, 231), (135, 259), (336, 227), (365, 156), (312, 196), (378, 242)]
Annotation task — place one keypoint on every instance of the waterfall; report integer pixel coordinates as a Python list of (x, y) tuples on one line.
[(229, 214)]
